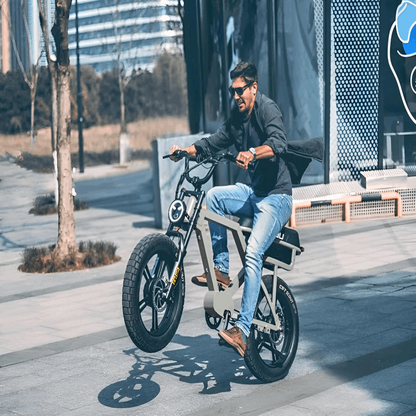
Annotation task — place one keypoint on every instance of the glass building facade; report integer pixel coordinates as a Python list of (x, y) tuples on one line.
[(336, 68), (132, 31), (14, 46)]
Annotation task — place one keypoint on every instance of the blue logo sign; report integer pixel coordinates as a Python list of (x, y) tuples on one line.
[(406, 21), (401, 54)]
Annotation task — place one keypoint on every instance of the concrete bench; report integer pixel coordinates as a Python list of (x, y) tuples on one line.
[(346, 201)]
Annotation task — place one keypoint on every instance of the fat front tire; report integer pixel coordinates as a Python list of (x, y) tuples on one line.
[(151, 319), (270, 356)]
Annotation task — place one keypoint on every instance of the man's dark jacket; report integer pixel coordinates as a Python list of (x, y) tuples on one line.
[(271, 132)]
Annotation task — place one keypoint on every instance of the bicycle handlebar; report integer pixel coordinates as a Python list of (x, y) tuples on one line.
[(213, 160), (178, 154)]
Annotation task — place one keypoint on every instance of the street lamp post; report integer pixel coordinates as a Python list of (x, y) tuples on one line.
[(79, 99)]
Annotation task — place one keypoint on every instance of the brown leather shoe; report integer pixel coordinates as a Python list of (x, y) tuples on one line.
[(234, 338), (222, 280)]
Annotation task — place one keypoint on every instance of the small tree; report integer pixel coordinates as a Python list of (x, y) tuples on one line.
[(124, 59), (122, 44), (30, 77), (59, 70)]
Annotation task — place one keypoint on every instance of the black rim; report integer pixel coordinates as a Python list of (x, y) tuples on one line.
[(273, 349), (156, 312)]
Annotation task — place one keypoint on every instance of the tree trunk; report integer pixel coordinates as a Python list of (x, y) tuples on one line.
[(66, 224), (32, 117), (54, 126), (54, 106), (123, 128), (33, 88), (125, 147)]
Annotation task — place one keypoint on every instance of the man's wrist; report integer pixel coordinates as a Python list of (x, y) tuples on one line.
[(252, 150)]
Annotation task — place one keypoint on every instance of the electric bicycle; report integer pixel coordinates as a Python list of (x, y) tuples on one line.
[(154, 280)]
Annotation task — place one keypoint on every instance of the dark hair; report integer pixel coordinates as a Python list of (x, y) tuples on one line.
[(245, 70)]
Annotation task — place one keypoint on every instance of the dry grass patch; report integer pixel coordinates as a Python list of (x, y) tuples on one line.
[(98, 139), (90, 254)]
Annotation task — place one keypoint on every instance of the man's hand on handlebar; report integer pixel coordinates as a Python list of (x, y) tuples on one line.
[(176, 152), (244, 158)]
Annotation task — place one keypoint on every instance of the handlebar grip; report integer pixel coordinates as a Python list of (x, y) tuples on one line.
[(251, 165), (179, 154)]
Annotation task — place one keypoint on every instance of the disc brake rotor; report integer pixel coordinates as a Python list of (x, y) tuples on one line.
[(276, 337), (158, 295)]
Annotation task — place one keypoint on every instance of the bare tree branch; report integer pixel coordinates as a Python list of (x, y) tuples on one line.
[(32, 79), (45, 31), (16, 51)]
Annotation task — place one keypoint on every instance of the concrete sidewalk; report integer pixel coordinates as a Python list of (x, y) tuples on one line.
[(64, 348)]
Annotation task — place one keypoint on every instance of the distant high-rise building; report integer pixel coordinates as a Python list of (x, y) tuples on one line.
[(37, 42), (4, 37), (21, 37), (129, 30), (14, 45)]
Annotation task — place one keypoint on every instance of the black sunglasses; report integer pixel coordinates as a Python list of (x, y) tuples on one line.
[(239, 90)]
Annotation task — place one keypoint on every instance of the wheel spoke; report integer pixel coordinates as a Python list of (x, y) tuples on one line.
[(260, 315), (160, 269), (142, 305), (277, 355), (260, 346), (155, 324), (146, 273), (259, 342)]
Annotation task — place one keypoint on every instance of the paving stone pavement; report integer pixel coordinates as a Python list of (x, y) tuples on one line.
[(64, 349)]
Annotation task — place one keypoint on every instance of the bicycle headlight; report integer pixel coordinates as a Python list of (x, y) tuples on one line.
[(177, 211)]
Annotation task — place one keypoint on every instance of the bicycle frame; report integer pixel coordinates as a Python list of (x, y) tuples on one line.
[(154, 281), (217, 303), (220, 303)]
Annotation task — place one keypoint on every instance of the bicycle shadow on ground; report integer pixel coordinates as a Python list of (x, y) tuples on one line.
[(198, 360)]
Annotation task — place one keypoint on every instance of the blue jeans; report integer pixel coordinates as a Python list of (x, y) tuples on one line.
[(270, 214)]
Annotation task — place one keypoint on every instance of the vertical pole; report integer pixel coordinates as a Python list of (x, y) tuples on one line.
[(384, 28), (224, 57), (271, 45), (225, 174), (201, 63), (79, 98), (276, 45), (327, 80)]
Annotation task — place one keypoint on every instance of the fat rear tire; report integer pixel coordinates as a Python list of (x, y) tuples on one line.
[(270, 356), (150, 319)]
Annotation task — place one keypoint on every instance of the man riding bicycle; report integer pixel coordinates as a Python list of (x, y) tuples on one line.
[(256, 129)]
